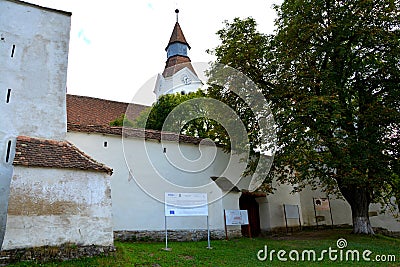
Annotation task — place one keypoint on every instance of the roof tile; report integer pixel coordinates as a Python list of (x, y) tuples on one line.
[(177, 36), (175, 64), (86, 110), (35, 152), (127, 132)]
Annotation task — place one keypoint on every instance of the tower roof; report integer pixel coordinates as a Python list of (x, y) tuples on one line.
[(175, 64), (177, 36)]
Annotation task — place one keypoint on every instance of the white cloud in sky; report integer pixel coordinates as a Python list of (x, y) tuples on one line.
[(116, 46)]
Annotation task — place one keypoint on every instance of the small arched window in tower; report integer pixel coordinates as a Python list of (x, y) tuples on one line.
[(8, 151), (183, 92), (105, 144), (8, 96)]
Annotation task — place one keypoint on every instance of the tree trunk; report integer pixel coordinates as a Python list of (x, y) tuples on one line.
[(361, 223), (359, 201)]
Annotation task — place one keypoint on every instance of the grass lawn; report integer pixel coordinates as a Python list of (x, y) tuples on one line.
[(243, 251)]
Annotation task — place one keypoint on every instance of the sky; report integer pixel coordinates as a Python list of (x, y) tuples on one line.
[(118, 47)]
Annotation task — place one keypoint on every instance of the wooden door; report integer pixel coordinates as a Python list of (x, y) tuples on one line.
[(249, 203)]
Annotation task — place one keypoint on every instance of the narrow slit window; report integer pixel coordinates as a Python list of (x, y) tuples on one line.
[(8, 151), (8, 96), (105, 144), (13, 51)]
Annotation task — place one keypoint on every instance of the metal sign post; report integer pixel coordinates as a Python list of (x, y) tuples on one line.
[(236, 217), (330, 211), (166, 234), (315, 212), (226, 228), (291, 212), (322, 204), (208, 235)]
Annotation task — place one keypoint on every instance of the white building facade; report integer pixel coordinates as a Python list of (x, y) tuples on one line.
[(36, 162)]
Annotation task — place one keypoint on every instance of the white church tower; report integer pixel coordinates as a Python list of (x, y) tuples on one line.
[(179, 75), (34, 45)]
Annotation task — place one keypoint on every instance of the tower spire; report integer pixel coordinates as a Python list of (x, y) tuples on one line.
[(179, 74), (177, 15)]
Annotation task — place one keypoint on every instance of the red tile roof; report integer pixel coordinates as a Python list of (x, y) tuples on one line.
[(84, 110), (136, 133), (175, 64), (35, 152), (177, 36), (93, 115)]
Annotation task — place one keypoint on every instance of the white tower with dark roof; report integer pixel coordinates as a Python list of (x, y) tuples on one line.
[(179, 75)]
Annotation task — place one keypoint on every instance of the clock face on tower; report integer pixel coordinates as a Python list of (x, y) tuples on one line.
[(185, 79)]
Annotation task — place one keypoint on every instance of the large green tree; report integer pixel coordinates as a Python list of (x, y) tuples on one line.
[(332, 73), (191, 118)]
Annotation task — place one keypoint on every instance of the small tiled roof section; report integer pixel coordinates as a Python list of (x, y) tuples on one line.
[(177, 36), (84, 110), (175, 64), (35, 152), (225, 184), (138, 133)]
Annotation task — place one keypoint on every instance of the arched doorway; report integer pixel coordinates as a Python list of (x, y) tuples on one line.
[(248, 202)]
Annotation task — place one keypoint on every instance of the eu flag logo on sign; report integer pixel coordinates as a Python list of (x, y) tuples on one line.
[(171, 212)]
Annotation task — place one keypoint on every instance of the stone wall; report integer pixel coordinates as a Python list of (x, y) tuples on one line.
[(50, 253), (174, 235)]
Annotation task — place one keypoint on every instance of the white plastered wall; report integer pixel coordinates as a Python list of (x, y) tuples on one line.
[(384, 220), (138, 194), (34, 44), (34, 58), (341, 212), (57, 206), (134, 209), (282, 195)]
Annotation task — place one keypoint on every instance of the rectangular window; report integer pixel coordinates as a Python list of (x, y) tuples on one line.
[(13, 51), (8, 96), (8, 151)]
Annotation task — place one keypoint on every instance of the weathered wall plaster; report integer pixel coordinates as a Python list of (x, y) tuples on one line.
[(53, 207)]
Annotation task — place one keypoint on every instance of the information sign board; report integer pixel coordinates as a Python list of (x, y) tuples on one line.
[(236, 217), (186, 204)]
